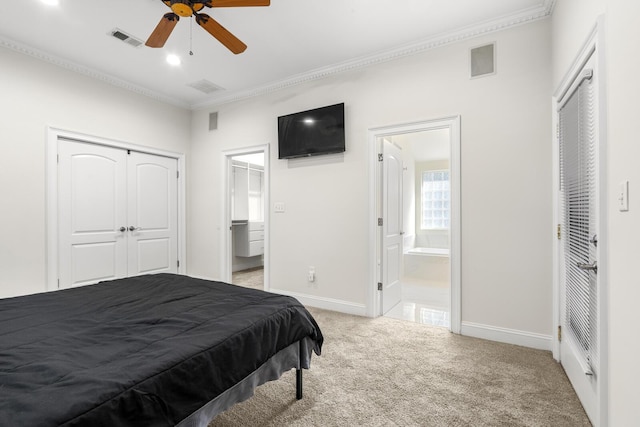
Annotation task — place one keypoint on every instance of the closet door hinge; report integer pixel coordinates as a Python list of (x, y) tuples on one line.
[(559, 232), (380, 222), (178, 263), (379, 286), (559, 333), (178, 174), (380, 157)]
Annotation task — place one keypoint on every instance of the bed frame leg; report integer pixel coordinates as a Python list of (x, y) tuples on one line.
[(298, 384)]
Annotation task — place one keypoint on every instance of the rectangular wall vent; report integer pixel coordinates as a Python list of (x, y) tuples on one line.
[(204, 86), (483, 60), (127, 38)]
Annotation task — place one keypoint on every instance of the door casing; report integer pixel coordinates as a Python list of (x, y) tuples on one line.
[(51, 195), (374, 306)]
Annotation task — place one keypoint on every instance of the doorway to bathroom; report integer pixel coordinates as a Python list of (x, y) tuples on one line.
[(247, 217), (417, 223)]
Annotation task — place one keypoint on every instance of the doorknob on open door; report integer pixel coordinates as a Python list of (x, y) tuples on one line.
[(588, 267)]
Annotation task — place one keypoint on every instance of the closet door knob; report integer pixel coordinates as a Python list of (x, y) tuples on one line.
[(132, 228), (123, 229)]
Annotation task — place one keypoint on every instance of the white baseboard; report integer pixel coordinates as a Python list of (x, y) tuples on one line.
[(325, 303), (509, 336)]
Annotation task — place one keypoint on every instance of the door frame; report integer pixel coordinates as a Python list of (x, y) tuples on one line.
[(51, 194), (374, 306), (592, 47), (226, 250)]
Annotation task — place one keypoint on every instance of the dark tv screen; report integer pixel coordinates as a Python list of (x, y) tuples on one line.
[(312, 132)]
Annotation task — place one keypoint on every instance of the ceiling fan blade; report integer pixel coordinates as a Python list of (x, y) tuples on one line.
[(163, 30), (236, 3), (219, 32)]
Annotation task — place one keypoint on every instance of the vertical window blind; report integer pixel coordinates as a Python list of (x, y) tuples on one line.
[(578, 204)]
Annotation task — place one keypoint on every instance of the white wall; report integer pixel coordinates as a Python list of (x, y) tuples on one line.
[(572, 21), (506, 176), (34, 95), (623, 34)]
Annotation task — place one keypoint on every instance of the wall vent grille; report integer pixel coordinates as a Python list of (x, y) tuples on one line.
[(127, 38)]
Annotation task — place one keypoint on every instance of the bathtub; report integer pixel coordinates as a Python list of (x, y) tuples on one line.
[(442, 252), (427, 264)]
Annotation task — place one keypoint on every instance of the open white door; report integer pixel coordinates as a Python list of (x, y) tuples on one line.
[(580, 286), (391, 225)]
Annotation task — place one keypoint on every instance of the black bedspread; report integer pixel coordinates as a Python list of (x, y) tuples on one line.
[(142, 351)]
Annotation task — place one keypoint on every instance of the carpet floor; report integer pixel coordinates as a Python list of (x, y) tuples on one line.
[(387, 372)]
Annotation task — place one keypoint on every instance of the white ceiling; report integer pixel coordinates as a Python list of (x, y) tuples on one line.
[(288, 42)]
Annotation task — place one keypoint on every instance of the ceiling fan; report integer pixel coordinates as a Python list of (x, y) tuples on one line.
[(188, 8)]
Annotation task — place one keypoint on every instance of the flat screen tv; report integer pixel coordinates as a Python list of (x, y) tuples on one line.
[(312, 132)]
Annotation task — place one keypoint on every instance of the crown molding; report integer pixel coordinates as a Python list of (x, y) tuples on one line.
[(89, 72), (542, 11)]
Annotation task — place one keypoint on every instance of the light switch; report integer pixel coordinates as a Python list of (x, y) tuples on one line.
[(623, 196), (278, 207)]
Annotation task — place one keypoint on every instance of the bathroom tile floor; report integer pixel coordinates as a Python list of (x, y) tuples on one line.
[(423, 302)]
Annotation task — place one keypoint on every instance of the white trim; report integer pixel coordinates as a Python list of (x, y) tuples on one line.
[(325, 303), (505, 335), (374, 307), (226, 256), (51, 196)]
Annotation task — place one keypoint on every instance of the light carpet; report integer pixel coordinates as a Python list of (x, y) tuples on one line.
[(387, 372)]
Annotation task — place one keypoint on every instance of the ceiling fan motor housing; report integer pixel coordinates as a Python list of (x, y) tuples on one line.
[(181, 8)]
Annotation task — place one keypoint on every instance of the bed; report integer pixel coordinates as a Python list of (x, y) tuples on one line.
[(155, 350)]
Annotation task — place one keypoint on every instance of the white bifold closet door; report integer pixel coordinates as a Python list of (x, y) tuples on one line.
[(117, 213)]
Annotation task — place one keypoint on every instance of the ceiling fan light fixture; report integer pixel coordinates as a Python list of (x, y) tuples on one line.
[(181, 8)]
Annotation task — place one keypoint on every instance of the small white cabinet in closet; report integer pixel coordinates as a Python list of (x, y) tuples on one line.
[(249, 239)]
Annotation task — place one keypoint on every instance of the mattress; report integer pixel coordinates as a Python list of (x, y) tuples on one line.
[(147, 350)]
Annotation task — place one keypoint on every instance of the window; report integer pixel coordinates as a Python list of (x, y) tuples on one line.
[(436, 200)]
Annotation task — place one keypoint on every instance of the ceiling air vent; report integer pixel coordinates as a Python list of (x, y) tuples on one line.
[(204, 86), (127, 38)]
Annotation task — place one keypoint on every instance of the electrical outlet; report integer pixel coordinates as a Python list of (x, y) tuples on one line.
[(311, 275)]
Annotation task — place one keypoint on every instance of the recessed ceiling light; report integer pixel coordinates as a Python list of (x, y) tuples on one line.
[(173, 59), (51, 2)]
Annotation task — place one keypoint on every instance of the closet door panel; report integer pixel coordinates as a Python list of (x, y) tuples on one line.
[(91, 212), (152, 213)]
